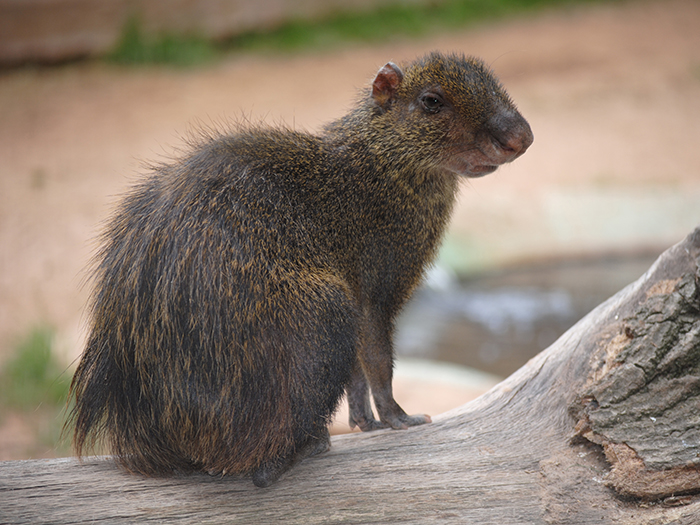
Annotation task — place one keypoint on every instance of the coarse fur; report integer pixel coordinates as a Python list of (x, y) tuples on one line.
[(241, 290)]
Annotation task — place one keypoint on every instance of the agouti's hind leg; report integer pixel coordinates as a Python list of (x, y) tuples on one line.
[(270, 472)]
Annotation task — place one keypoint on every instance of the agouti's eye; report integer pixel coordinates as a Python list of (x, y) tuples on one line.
[(432, 103)]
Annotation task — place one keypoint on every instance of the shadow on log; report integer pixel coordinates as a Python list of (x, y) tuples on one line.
[(602, 427)]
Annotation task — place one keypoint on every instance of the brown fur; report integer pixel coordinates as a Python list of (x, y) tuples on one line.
[(242, 289)]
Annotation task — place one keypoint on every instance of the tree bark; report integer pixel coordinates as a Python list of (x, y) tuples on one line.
[(602, 427)]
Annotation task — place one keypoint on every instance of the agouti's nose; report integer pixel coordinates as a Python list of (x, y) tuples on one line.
[(512, 134)]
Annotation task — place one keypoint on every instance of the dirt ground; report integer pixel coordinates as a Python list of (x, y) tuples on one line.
[(612, 93)]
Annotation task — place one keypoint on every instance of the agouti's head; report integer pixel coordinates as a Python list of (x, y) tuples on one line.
[(454, 109)]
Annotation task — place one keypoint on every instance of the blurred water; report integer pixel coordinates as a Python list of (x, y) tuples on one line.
[(496, 322)]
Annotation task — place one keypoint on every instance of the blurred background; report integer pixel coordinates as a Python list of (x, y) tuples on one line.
[(93, 91)]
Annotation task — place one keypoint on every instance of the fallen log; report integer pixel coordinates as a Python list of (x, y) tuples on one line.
[(602, 427)]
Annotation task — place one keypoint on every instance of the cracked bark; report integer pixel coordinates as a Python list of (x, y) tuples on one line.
[(642, 398), (602, 427)]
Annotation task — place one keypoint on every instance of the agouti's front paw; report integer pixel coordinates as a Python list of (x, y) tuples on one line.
[(366, 424), (403, 421)]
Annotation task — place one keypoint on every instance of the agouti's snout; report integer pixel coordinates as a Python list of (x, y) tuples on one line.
[(511, 134), (503, 138)]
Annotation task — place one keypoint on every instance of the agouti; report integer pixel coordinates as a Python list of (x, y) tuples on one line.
[(240, 291)]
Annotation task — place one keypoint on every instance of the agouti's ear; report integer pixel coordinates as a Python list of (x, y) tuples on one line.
[(386, 83)]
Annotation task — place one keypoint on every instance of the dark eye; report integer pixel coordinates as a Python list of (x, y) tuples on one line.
[(431, 102)]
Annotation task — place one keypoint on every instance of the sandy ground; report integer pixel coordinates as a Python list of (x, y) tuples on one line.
[(612, 93)]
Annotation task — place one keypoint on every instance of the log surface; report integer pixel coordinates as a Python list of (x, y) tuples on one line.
[(602, 427)]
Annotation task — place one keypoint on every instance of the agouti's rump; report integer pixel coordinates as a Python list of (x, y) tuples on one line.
[(240, 291)]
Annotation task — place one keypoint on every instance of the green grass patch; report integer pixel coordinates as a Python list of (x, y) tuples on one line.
[(136, 47), (377, 25), (33, 377), (387, 22)]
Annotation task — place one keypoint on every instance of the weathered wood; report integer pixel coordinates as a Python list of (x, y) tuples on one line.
[(602, 427), (642, 400)]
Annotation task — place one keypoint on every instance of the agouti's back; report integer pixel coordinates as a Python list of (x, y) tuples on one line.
[(239, 292)]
